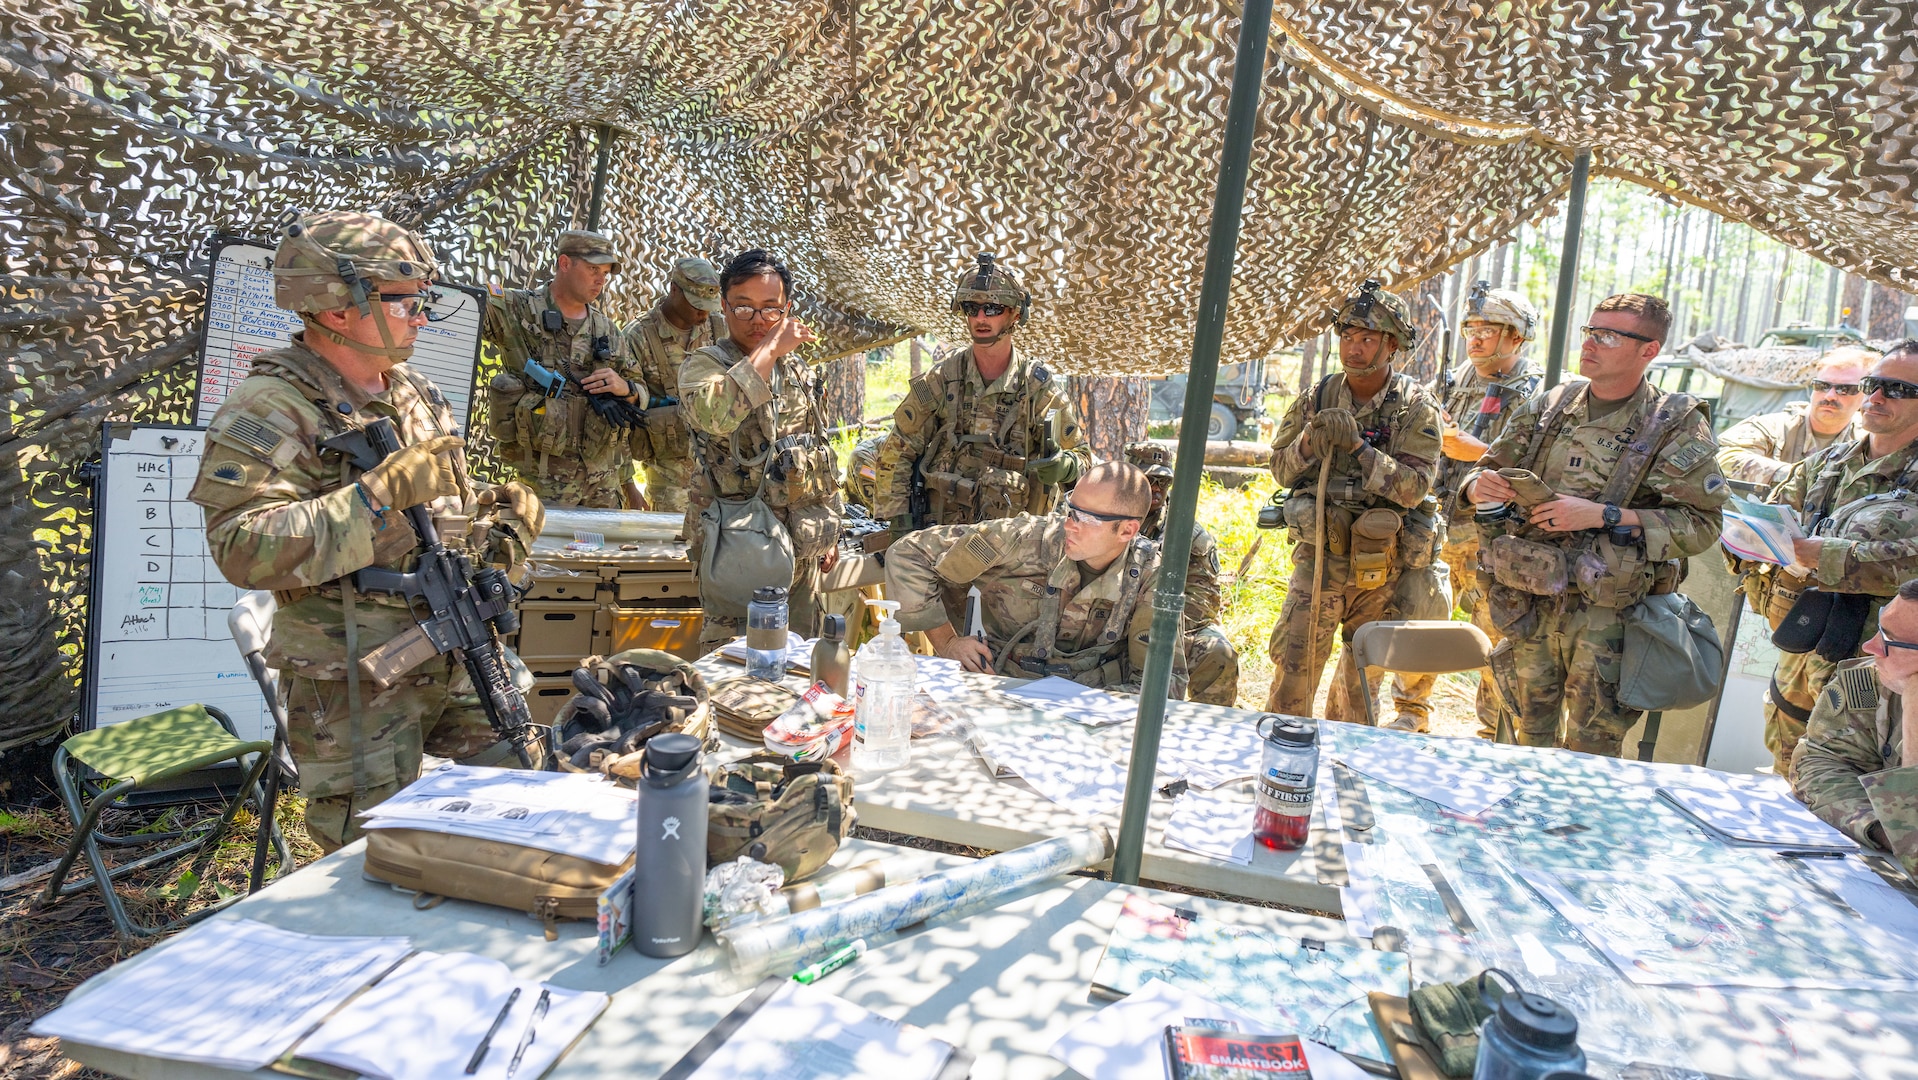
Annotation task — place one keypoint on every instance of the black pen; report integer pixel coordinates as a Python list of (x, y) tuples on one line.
[(532, 1023), (1821, 853), (485, 1044)]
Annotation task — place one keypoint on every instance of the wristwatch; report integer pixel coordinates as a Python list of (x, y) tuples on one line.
[(1612, 515)]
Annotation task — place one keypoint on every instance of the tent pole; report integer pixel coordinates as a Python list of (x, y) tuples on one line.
[(1568, 268), (600, 168), (1168, 598)]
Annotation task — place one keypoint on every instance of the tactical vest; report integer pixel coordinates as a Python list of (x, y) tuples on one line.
[(1346, 485), (971, 476), (798, 469), (537, 430), (1103, 662)]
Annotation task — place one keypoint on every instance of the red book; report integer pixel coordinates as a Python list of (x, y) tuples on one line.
[(1198, 1053)]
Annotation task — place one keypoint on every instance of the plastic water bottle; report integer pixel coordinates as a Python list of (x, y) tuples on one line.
[(885, 674), (1527, 1037), (1288, 775), (669, 864), (766, 634)]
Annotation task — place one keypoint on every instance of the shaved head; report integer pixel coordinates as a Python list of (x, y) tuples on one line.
[(1115, 487)]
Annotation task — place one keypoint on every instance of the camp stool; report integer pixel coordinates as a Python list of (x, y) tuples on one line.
[(1421, 647)]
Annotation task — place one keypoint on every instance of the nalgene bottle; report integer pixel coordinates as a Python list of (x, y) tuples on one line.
[(766, 634), (885, 674), (1288, 772), (669, 859), (1527, 1037)]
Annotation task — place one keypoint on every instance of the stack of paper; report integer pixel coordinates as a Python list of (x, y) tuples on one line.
[(1093, 708), (1059, 761), (1754, 810), (786, 1031), (576, 814), (1217, 824)]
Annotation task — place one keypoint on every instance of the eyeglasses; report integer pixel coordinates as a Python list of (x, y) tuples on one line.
[(1093, 517), (1893, 389), (971, 308), (747, 313), (1472, 332), (407, 305), (1894, 643), (1845, 389), (1608, 338)]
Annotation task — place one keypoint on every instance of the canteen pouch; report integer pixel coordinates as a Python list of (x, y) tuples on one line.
[(1298, 512), (541, 883), (1785, 589), (813, 529), (1672, 656), (1613, 576), (1375, 536), (1424, 535), (503, 396), (745, 548), (1528, 566), (801, 811)]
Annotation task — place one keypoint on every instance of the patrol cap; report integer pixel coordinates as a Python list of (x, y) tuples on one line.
[(1504, 307), (699, 281), (317, 251), (1373, 308), (1154, 458), (592, 247)]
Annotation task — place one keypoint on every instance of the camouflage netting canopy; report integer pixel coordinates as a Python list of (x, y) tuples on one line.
[(876, 148)]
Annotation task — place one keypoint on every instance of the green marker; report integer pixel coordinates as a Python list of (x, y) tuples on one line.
[(812, 973)]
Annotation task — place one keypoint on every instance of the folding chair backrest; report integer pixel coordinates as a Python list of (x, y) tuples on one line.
[(1421, 646)]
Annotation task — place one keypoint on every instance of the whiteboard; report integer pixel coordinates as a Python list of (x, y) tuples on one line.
[(242, 322), (157, 635), (1738, 740)]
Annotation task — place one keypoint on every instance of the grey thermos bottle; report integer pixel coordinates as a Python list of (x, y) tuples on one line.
[(669, 869)]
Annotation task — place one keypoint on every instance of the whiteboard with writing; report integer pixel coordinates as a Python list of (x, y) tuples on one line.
[(157, 633), (242, 322)]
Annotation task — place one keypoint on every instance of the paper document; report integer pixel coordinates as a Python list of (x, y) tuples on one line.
[(1125, 1040), (231, 993), (1415, 767), (1756, 810), (1864, 895), (804, 1033), (1761, 532), (424, 1021), (1059, 761), (578, 814), (1093, 708), (1213, 823), (1204, 755)]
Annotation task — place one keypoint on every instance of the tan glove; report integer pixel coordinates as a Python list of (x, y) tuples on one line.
[(1333, 430), (525, 506), (416, 475)]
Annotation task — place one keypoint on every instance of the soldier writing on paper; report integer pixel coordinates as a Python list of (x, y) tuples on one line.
[(1212, 664)]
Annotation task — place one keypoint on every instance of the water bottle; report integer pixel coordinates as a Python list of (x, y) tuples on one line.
[(1288, 775), (885, 674), (766, 634), (1526, 1037), (831, 663), (669, 865)]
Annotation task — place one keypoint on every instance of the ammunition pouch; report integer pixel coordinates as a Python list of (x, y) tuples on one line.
[(1338, 531), (1782, 592), (663, 438), (1514, 612), (801, 471), (1424, 535), (503, 396), (1527, 566), (1613, 575), (801, 812), (1375, 547), (1297, 512), (813, 529)]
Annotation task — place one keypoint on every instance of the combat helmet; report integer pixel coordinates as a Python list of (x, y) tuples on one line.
[(1375, 309), (330, 261), (1502, 306), (1154, 458), (990, 283), (862, 473)]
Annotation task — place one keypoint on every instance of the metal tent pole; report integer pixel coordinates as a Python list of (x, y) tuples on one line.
[(1168, 598), (1568, 268), (600, 168)]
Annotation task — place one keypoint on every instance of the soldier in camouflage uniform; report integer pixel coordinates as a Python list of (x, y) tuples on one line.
[(1067, 594), (1865, 538), (1857, 766), (1379, 431), (1620, 482), (989, 434), (1762, 449), (686, 320), (557, 442), (1475, 401), (1212, 664), (759, 426), (862, 474), (282, 513)]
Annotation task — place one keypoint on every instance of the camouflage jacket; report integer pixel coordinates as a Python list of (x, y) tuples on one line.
[(1849, 766), (1480, 407), (1762, 449), (1678, 501), (959, 432), (658, 349), (1846, 497), (557, 444), (1204, 599), (1088, 626), (1396, 465), (285, 515)]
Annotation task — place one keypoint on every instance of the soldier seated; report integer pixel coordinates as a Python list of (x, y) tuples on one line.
[(1212, 663)]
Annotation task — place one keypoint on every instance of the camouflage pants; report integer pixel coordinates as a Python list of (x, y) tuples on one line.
[(1567, 670), (431, 711), (1412, 694), (1802, 677), (560, 482), (1212, 667), (802, 611), (668, 483), (1342, 609)]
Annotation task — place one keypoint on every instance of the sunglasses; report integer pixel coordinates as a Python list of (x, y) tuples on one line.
[(973, 308), (1610, 339), (1842, 389), (1473, 332), (1894, 643), (1093, 517), (1893, 389), (406, 305), (748, 313)]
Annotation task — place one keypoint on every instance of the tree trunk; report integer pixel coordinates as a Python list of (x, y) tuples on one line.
[(844, 381), (917, 360), (1308, 353), (1114, 412)]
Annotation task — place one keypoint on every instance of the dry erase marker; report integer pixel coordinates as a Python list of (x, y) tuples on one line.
[(485, 1044), (812, 973)]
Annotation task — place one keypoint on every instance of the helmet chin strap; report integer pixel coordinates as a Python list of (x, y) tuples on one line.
[(1385, 361), (998, 337), (392, 352)]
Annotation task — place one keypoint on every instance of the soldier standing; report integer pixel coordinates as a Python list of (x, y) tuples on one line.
[(1212, 664), (1762, 449), (1356, 452), (759, 430), (685, 320), (1476, 399), (284, 513), (984, 433), (1619, 483), (567, 438), (1853, 497), (1857, 766), (1066, 594)]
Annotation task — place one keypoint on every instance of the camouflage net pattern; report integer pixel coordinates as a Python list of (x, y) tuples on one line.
[(875, 149)]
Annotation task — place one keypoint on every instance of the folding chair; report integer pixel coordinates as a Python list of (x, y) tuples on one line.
[(1420, 647), (99, 769), (251, 624)]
